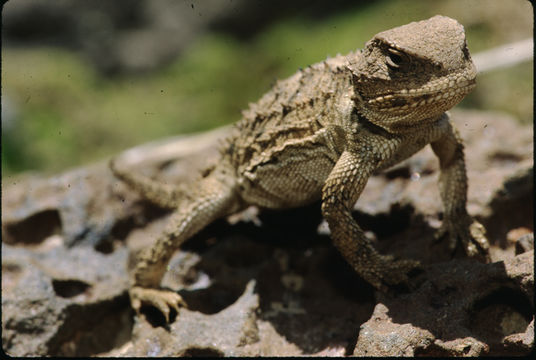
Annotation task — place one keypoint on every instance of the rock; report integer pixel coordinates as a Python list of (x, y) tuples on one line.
[(197, 334), (381, 337), (462, 308), (522, 342), (524, 243), (270, 282), (88, 205), (63, 302)]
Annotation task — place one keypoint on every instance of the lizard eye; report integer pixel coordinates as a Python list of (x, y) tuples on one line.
[(466, 51), (395, 59)]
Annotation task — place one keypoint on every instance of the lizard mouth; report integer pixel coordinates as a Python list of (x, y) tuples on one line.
[(439, 91)]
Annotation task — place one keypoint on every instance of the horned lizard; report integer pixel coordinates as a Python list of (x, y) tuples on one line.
[(320, 134)]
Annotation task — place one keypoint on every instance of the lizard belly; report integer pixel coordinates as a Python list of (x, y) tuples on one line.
[(287, 180)]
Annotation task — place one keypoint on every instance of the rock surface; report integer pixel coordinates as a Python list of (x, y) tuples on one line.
[(271, 283), (60, 301), (462, 308)]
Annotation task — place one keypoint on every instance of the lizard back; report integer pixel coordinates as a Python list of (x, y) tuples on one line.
[(295, 108)]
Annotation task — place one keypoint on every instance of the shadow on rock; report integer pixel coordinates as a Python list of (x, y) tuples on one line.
[(463, 308)]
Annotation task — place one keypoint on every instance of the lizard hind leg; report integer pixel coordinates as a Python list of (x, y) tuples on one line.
[(211, 198)]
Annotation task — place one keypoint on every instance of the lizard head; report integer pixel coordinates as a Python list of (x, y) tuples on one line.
[(413, 73)]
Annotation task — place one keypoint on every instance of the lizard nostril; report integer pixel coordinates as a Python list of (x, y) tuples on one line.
[(399, 102)]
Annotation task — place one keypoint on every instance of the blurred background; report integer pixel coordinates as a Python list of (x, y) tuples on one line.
[(84, 79)]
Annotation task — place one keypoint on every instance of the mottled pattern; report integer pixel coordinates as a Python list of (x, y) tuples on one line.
[(320, 134)]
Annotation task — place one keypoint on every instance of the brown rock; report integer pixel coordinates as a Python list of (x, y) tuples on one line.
[(270, 283), (63, 302), (462, 308)]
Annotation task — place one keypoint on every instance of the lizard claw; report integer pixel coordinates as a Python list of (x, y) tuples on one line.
[(471, 234), (163, 300), (388, 271)]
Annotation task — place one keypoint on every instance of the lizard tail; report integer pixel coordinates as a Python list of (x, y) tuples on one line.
[(164, 195)]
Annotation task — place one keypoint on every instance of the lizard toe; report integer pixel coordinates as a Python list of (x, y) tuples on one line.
[(398, 271), (163, 300), (476, 243), (470, 233), (387, 272)]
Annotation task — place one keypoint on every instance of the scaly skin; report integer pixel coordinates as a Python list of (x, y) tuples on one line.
[(320, 134)]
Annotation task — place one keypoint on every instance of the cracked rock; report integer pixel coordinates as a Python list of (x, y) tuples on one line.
[(271, 283)]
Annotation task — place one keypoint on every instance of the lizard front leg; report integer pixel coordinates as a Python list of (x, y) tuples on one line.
[(339, 194), (458, 225)]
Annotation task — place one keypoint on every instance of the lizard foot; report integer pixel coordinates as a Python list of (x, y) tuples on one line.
[(388, 271), (471, 234), (163, 300)]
